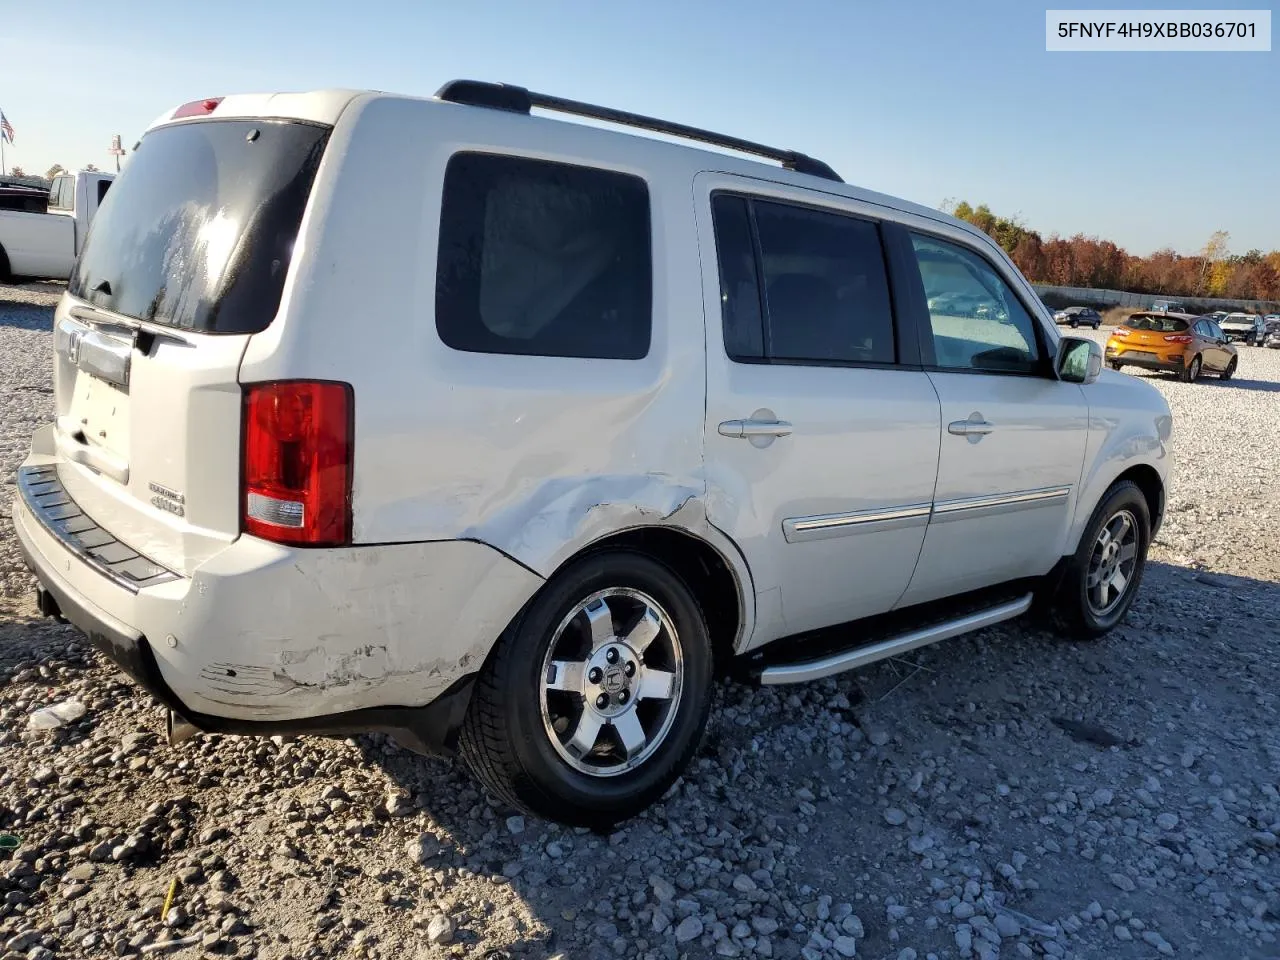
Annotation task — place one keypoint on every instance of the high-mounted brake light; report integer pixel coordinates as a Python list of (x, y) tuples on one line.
[(1179, 338), (197, 108), (297, 459), (1120, 332)]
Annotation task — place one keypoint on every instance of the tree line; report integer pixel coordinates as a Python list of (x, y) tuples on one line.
[(1081, 261)]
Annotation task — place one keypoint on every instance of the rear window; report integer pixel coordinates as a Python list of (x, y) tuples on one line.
[(198, 230), (1156, 323)]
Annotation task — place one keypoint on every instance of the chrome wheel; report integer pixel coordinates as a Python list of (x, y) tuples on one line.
[(611, 682), (1115, 554)]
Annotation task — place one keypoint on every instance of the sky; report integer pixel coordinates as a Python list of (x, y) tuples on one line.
[(929, 101)]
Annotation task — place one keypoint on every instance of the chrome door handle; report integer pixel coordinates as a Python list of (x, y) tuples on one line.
[(754, 428), (970, 428)]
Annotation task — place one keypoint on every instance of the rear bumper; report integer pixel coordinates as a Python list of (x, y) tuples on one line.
[(1129, 358), (264, 639)]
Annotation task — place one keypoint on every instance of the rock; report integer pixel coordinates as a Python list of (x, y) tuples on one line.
[(1123, 882), (846, 946), (1167, 821), (895, 817), (423, 849), (515, 825), (663, 889), (853, 927), (1123, 933), (907, 953), (879, 738), (743, 884), (690, 928), (440, 929), (1160, 943), (399, 804), (963, 910), (554, 850), (81, 872), (1007, 927), (764, 926)]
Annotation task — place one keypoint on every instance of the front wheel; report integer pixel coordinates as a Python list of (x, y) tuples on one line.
[(1074, 324), (595, 698), (1192, 373), (1102, 578), (1229, 372)]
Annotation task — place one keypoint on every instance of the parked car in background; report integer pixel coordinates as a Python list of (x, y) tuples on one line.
[(1244, 328), (44, 244), (1174, 342), (1272, 322), (1079, 317), (1168, 306), (242, 497)]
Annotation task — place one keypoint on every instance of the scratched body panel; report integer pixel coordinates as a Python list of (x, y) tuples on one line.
[(333, 630)]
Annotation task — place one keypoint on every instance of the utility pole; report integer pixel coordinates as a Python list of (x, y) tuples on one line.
[(116, 150)]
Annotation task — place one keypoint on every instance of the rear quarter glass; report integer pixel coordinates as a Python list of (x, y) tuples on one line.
[(198, 231)]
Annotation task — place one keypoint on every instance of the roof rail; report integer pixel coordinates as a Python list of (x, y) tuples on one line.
[(504, 96)]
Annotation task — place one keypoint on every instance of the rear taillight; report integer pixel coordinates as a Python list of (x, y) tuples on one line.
[(197, 108), (1120, 332), (1179, 338), (297, 460)]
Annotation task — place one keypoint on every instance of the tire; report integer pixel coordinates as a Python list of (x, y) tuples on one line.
[(1229, 372), (1074, 324), (1097, 325), (1117, 366), (1192, 373), (519, 733), (1074, 609)]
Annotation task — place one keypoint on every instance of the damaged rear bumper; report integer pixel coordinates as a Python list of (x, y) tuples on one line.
[(264, 639)]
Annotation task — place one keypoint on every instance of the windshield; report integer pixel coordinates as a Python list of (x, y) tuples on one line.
[(1156, 323), (1238, 321), (198, 230)]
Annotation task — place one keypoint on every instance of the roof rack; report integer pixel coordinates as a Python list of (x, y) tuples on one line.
[(504, 96)]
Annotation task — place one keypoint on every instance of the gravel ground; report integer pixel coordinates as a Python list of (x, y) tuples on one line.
[(1004, 795)]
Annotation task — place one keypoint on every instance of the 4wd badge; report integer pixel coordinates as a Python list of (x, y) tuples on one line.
[(170, 501)]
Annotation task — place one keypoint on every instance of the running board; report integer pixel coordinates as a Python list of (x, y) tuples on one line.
[(861, 656)]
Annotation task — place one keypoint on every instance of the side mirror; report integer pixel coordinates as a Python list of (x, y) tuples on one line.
[(1079, 360)]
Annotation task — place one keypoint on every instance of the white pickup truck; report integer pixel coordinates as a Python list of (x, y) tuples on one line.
[(45, 245)]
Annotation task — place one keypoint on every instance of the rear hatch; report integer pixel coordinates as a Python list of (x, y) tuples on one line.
[(1153, 333), (184, 262)]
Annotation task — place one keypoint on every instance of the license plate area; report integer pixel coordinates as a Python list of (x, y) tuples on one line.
[(99, 416)]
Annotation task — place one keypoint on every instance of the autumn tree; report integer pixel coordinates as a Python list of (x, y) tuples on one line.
[(17, 172)]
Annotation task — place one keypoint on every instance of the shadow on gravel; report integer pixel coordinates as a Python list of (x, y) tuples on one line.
[(25, 316), (1004, 709)]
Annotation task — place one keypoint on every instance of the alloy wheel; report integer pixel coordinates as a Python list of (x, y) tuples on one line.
[(1112, 563), (611, 682)]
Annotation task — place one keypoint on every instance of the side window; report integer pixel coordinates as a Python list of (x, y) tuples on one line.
[(739, 287), (543, 259), (103, 187), (1202, 328), (1216, 331), (62, 193), (977, 321), (825, 285)]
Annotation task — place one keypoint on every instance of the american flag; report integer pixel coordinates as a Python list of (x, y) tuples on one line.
[(6, 128)]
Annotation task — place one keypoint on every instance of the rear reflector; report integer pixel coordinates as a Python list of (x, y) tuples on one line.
[(196, 108), (297, 462)]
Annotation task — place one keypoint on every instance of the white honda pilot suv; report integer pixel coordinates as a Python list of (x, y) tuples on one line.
[(505, 434)]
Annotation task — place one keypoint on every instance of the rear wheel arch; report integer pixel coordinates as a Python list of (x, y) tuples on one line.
[(5, 275), (722, 586)]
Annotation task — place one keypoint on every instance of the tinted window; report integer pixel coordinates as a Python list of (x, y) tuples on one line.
[(1216, 331), (543, 259), (739, 287), (198, 230), (826, 290), (977, 322), (103, 187), (1155, 322)]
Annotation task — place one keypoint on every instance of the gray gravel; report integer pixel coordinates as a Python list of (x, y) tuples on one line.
[(1005, 795)]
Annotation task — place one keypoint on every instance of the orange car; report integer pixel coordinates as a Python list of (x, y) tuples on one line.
[(1177, 342)]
